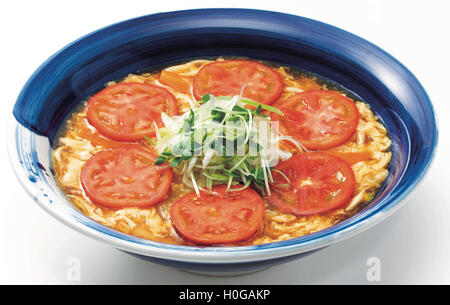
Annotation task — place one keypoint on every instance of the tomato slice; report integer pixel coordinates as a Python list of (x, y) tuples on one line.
[(126, 111), (226, 78), (319, 183), (318, 119), (220, 218), (125, 177)]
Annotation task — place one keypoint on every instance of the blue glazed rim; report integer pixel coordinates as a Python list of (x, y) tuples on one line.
[(345, 229)]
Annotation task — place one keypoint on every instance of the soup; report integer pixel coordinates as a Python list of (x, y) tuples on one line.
[(221, 152)]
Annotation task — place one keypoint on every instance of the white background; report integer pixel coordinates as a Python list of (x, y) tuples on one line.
[(413, 245)]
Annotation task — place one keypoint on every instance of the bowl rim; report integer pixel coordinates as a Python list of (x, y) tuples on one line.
[(226, 255)]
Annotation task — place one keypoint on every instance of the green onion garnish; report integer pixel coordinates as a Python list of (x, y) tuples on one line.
[(263, 106), (219, 142)]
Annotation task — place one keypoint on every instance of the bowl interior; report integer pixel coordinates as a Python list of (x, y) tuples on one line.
[(146, 43)]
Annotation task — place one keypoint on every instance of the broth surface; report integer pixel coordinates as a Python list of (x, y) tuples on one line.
[(78, 141)]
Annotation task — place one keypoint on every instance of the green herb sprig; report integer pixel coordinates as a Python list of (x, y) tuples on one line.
[(197, 144)]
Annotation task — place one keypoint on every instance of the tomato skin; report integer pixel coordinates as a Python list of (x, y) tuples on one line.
[(226, 78), (126, 111), (125, 176), (218, 219), (319, 183), (318, 119)]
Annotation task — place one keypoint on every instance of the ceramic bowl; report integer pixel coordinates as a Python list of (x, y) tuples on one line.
[(86, 65)]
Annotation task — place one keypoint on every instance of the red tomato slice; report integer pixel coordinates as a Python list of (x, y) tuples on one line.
[(125, 177), (226, 78), (218, 219), (126, 111), (318, 119), (319, 183)]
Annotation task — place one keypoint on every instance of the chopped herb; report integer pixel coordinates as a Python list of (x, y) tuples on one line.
[(217, 142), (263, 106), (176, 161), (160, 160)]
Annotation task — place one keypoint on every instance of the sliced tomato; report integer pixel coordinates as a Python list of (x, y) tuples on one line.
[(126, 111), (125, 177), (318, 183), (226, 78), (318, 119), (218, 218)]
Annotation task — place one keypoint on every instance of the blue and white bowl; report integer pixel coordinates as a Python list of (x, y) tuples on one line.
[(83, 67)]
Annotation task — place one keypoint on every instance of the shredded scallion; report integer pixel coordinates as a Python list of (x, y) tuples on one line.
[(219, 142)]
